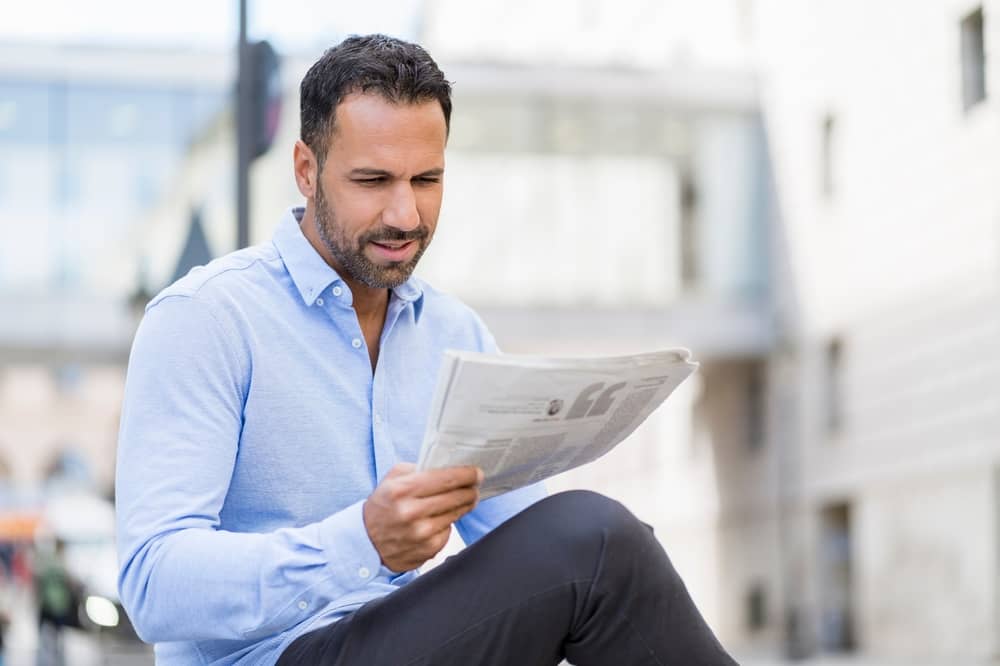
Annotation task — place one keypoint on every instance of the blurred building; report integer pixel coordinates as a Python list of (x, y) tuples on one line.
[(801, 193), (89, 140), (882, 123)]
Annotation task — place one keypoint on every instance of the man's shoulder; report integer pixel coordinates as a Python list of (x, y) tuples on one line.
[(444, 305), (454, 317), (224, 277)]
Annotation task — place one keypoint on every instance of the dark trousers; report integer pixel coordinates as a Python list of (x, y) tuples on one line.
[(575, 576)]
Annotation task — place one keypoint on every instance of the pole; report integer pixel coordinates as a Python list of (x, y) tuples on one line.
[(242, 134)]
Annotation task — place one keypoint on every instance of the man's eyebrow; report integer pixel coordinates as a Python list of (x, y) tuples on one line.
[(371, 172)]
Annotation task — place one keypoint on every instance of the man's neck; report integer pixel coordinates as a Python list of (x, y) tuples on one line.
[(369, 303), (370, 306)]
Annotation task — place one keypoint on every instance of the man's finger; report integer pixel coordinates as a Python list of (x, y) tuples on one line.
[(437, 481), (444, 520), (447, 502)]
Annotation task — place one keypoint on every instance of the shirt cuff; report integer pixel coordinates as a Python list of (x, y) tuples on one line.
[(350, 554)]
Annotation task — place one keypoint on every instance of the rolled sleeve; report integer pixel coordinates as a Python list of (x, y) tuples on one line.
[(352, 556)]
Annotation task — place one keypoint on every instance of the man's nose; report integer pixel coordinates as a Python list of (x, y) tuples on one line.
[(401, 212)]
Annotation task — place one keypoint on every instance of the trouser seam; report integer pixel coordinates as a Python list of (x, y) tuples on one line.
[(641, 638), (598, 567)]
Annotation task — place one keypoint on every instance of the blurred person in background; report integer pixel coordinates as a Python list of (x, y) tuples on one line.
[(266, 509), (58, 597), (4, 626)]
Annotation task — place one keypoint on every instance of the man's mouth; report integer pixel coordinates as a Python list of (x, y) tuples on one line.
[(392, 245), (394, 251)]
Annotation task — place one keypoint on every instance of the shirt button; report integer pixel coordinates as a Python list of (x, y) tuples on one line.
[(337, 291), (356, 343), (319, 301), (363, 572), (303, 605), (378, 419)]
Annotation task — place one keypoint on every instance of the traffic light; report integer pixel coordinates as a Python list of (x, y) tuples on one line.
[(264, 97)]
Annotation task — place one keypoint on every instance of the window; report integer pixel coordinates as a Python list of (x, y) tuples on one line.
[(756, 607), (756, 388), (67, 185), (828, 131), (690, 270), (68, 378), (973, 60), (834, 389), (24, 112), (836, 574)]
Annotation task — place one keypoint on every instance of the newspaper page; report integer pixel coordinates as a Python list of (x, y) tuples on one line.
[(522, 419)]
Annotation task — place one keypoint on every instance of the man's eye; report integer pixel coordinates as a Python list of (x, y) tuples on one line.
[(429, 179), (369, 181)]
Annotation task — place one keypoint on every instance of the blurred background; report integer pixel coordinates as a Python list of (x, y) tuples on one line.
[(802, 192)]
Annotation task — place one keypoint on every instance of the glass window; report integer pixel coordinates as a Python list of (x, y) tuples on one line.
[(833, 379), (973, 60), (756, 607), (119, 115), (24, 112), (756, 388), (828, 134), (67, 185)]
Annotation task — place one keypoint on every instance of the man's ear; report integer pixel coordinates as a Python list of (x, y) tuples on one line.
[(306, 168)]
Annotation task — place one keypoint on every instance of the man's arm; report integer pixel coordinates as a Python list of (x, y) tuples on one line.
[(181, 576)]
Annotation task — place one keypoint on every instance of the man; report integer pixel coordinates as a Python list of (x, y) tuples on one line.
[(267, 510)]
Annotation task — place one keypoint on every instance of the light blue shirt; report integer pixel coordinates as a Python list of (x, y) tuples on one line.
[(253, 429)]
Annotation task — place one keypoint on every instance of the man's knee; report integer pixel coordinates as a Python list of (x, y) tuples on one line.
[(581, 518)]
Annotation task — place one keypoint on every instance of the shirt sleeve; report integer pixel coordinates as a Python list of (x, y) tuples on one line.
[(182, 577)]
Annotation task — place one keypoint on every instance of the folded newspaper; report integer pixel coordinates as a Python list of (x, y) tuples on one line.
[(522, 419)]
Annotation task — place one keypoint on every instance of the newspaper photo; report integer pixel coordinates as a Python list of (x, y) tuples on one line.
[(522, 419)]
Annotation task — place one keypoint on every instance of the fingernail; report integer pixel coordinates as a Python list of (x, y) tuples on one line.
[(479, 475)]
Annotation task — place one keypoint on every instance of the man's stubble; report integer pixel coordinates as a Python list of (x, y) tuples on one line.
[(350, 256)]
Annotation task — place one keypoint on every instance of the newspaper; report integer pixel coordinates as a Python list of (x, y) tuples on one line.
[(522, 419)]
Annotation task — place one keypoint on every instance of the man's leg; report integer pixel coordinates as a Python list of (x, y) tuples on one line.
[(575, 576)]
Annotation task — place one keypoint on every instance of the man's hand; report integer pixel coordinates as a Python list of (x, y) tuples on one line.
[(410, 513)]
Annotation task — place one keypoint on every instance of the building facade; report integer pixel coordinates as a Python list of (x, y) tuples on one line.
[(882, 126)]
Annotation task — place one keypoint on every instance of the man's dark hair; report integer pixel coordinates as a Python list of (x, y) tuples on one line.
[(398, 71)]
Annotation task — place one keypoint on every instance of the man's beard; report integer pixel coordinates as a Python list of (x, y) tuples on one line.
[(350, 255)]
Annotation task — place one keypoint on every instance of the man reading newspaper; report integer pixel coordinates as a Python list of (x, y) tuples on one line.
[(269, 510)]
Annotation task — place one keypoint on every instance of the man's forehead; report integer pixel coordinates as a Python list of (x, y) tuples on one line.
[(371, 114)]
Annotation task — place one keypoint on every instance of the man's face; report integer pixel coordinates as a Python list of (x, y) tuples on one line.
[(378, 194)]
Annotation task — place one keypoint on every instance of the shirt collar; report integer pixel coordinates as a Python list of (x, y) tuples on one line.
[(310, 272)]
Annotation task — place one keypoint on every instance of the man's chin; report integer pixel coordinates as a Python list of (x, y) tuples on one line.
[(389, 277)]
